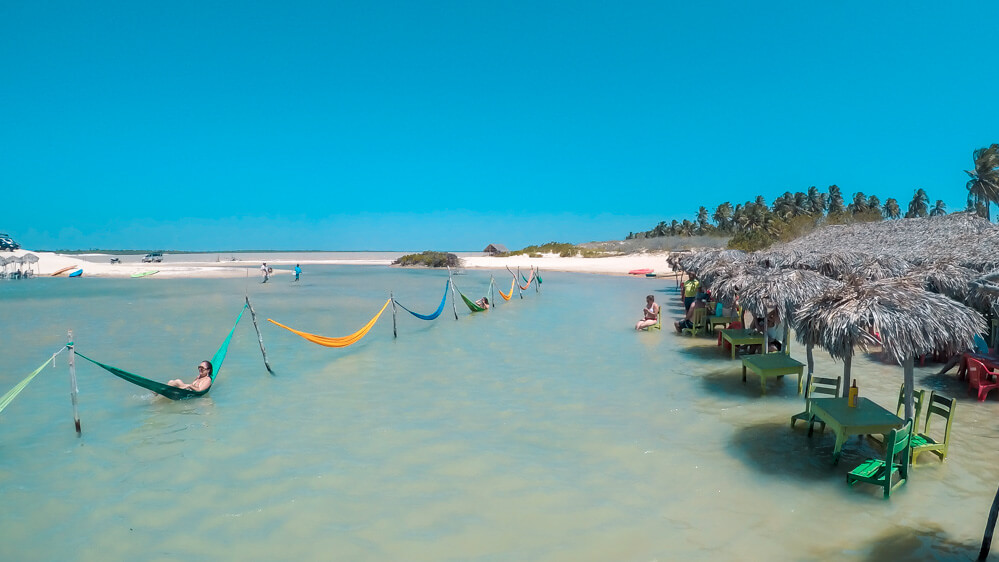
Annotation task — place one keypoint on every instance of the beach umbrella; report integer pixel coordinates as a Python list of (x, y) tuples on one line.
[(955, 281), (911, 321)]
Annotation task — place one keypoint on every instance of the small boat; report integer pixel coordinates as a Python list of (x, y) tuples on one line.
[(650, 274), (639, 271), (77, 273), (63, 270), (145, 273)]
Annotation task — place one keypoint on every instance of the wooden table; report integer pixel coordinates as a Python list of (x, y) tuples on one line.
[(713, 321), (742, 337), (772, 365), (864, 419)]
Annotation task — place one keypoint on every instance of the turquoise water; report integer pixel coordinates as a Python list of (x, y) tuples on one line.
[(544, 429)]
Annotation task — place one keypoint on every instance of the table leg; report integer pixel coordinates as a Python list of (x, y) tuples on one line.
[(743, 373), (733, 350), (838, 448), (763, 383)]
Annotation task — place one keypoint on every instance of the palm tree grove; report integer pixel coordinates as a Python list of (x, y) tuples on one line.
[(754, 225)]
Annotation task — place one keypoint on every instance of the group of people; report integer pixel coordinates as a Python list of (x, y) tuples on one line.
[(266, 270), (695, 298)]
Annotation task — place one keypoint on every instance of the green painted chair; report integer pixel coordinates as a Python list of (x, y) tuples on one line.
[(921, 442), (917, 404), (697, 319), (821, 386), (659, 320), (881, 472)]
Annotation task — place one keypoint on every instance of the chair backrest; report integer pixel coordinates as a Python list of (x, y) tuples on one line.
[(977, 373), (659, 317), (917, 403), (942, 406), (897, 442), (699, 316), (824, 386)]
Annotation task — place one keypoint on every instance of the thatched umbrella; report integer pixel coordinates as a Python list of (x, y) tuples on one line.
[(911, 321)]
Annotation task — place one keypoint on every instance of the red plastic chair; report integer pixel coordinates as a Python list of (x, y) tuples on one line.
[(978, 378)]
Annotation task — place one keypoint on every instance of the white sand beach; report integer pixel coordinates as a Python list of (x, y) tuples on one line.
[(182, 265)]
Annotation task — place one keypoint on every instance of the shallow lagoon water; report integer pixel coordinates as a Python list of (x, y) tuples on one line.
[(544, 429)]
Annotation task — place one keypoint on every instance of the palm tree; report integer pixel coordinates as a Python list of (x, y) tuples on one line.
[(939, 209), (816, 201), (918, 207), (891, 210), (722, 216), (674, 227), (702, 220), (873, 202), (835, 200), (686, 228), (859, 204), (983, 187), (784, 206)]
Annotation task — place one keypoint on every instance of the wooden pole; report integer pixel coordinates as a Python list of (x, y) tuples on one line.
[(537, 286), (517, 277), (492, 290), (260, 339), (846, 375), (453, 291), (73, 390), (392, 298), (908, 381), (811, 369), (989, 528)]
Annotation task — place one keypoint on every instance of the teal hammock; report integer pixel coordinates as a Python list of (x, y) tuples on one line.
[(173, 392), (428, 316)]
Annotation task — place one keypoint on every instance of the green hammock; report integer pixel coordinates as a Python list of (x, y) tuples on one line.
[(470, 303), (173, 392)]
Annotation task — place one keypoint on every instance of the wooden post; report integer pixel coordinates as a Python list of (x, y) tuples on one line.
[(538, 285), (392, 298), (260, 339), (73, 390), (537, 288), (989, 528), (811, 369), (908, 381), (846, 375), (453, 291), (517, 277), (492, 291)]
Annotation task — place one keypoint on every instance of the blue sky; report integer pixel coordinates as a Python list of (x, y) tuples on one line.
[(451, 125)]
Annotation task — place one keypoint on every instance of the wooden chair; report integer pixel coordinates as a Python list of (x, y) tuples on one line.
[(697, 319), (659, 321), (881, 472), (917, 404), (978, 378), (921, 442), (820, 386)]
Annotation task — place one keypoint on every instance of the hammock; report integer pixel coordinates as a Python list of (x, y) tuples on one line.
[(172, 392), (508, 296), (343, 341), (471, 304), (12, 393), (528, 281), (428, 316)]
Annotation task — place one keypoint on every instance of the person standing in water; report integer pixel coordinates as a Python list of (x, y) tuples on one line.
[(265, 271), (298, 271)]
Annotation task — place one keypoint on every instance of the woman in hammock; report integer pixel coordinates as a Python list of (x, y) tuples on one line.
[(482, 303), (201, 383)]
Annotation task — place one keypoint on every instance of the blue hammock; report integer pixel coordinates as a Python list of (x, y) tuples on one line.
[(428, 316)]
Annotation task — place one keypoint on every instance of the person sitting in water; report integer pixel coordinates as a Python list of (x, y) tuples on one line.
[(482, 303), (201, 383), (650, 314), (775, 331), (688, 319)]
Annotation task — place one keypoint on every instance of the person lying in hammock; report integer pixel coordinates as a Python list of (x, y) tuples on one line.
[(201, 383), (482, 303)]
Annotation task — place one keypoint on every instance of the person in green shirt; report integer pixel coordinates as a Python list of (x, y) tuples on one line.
[(690, 289)]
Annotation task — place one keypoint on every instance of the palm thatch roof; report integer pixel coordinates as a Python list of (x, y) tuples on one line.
[(783, 289), (962, 238), (29, 258), (911, 320)]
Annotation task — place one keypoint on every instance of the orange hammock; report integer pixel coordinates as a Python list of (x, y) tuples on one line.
[(524, 287), (341, 341), (507, 296)]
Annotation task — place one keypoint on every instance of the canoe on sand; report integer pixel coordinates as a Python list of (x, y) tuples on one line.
[(639, 271), (63, 270), (145, 273), (77, 273)]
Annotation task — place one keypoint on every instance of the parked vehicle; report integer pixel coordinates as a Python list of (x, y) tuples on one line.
[(153, 257), (115, 260)]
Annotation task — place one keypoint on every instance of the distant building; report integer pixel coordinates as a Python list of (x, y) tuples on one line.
[(496, 249)]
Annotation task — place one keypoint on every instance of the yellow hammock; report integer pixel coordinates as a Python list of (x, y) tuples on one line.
[(337, 342), (506, 296)]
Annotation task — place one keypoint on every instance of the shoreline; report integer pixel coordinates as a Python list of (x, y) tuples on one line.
[(50, 262)]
